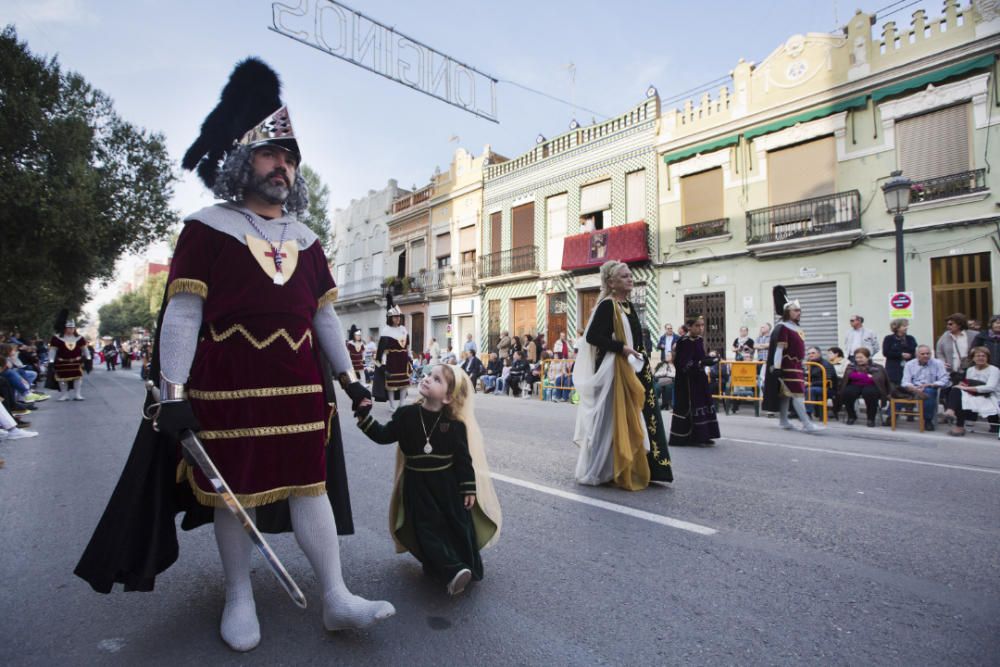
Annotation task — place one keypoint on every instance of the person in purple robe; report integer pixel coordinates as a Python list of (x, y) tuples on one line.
[(694, 421)]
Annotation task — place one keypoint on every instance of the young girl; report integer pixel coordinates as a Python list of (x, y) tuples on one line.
[(443, 508)]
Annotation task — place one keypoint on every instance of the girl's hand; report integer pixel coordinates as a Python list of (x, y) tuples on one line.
[(469, 501), (629, 352)]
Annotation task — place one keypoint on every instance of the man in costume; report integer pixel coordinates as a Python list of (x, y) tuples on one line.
[(356, 351), (784, 380), (67, 352), (247, 329), (392, 356)]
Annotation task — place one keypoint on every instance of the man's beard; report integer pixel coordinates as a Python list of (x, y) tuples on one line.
[(270, 192)]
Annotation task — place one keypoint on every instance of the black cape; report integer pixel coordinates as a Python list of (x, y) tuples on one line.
[(771, 401), (136, 538)]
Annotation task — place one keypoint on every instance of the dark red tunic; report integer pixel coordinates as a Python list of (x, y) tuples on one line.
[(398, 368), (69, 358), (356, 351), (255, 383), (792, 357)]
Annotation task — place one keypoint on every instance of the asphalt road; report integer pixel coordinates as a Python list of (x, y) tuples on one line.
[(860, 546)]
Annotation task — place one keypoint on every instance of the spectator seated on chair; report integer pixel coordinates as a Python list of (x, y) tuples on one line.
[(494, 369), (816, 379), (923, 378), (564, 382), (502, 381), (976, 396), (472, 366), (866, 380), (520, 370), (664, 376)]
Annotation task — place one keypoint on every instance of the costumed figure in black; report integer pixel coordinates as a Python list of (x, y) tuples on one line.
[(444, 508), (618, 426), (784, 379), (393, 367), (694, 421), (248, 345), (68, 351)]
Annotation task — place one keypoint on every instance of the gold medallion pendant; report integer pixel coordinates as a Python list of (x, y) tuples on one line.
[(265, 255)]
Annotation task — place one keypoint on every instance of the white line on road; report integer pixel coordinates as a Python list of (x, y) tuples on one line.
[(879, 457), (611, 507)]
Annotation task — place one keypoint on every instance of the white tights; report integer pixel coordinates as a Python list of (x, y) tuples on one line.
[(316, 532), (799, 405)]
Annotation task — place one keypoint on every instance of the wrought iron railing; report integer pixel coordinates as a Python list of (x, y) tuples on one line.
[(465, 274), (703, 230), (516, 260), (809, 217), (407, 285), (944, 187)]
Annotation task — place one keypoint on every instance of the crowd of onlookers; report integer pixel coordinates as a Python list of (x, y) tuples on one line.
[(958, 376), (24, 361)]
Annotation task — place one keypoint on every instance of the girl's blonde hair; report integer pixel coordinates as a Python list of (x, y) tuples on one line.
[(458, 392)]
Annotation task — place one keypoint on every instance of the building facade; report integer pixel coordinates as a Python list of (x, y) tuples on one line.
[(434, 245), (361, 242), (777, 180), (553, 215)]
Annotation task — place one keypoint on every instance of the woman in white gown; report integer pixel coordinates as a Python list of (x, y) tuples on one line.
[(618, 425)]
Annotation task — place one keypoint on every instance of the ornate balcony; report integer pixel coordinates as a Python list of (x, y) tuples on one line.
[(810, 224), (369, 286), (625, 243), (411, 200), (503, 264), (948, 187), (702, 230), (465, 276)]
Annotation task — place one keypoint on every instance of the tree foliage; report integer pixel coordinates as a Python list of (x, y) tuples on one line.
[(81, 187), (138, 308), (316, 217)]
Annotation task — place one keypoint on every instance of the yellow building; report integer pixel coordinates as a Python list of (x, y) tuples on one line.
[(777, 180)]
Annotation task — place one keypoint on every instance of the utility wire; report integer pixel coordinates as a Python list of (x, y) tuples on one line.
[(554, 98)]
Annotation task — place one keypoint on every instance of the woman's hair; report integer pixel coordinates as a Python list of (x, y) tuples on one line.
[(995, 318), (960, 319), (236, 174), (895, 325), (865, 351), (981, 348), (837, 351), (608, 270), (689, 322)]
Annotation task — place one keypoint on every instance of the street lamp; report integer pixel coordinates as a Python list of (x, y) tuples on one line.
[(448, 280), (897, 202)]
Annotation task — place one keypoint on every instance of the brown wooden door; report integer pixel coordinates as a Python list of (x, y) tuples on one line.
[(712, 307), (417, 333), (556, 322), (524, 317), (523, 226), (961, 284), (588, 301)]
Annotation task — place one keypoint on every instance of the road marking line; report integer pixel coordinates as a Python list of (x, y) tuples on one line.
[(878, 457), (611, 507)]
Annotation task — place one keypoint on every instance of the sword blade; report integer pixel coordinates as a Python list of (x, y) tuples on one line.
[(192, 445)]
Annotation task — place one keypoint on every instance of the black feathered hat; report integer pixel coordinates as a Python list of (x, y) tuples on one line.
[(249, 112), (391, 309), (781, 300), (62, 321)]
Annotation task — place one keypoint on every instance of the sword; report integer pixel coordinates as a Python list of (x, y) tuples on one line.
[(194, 449)]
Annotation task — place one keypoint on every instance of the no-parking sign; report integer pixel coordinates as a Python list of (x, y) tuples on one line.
[(901, 305)]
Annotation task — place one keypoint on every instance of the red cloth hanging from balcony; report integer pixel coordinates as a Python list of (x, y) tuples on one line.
[(625, 243)]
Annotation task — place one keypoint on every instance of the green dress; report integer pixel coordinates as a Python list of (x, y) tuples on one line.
[(429, 519)]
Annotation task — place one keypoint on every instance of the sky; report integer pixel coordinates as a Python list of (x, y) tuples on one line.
[(164, 64)]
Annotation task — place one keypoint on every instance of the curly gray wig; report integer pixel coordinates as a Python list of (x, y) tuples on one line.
[(236, 173)]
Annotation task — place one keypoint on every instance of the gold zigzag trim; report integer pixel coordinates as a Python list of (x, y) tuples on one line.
[(328, 298), (187, 286), (248, 500), (261, 344), (260, 392), (261, 431)]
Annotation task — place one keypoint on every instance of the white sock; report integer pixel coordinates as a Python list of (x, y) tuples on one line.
[(316, 532), (783, 411), (62, 391), (239, 628), (800, 409), (79, 388)]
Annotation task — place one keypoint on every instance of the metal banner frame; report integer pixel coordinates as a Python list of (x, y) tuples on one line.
[(346, 33)]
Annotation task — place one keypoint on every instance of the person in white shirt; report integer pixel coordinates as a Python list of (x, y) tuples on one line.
[(924, 377), (859, 336), (977, 395), (954, 344), (435, 351), (560, 349)]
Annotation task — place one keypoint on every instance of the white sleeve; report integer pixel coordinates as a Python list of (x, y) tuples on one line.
[(777, 356), (330, 333), (179, 336), (52, 355)]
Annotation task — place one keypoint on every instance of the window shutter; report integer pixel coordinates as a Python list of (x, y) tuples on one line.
[(467, 239), (442, 246), (595, 197), (701, 196), (524, 226), (934, 144), (802, 172)]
